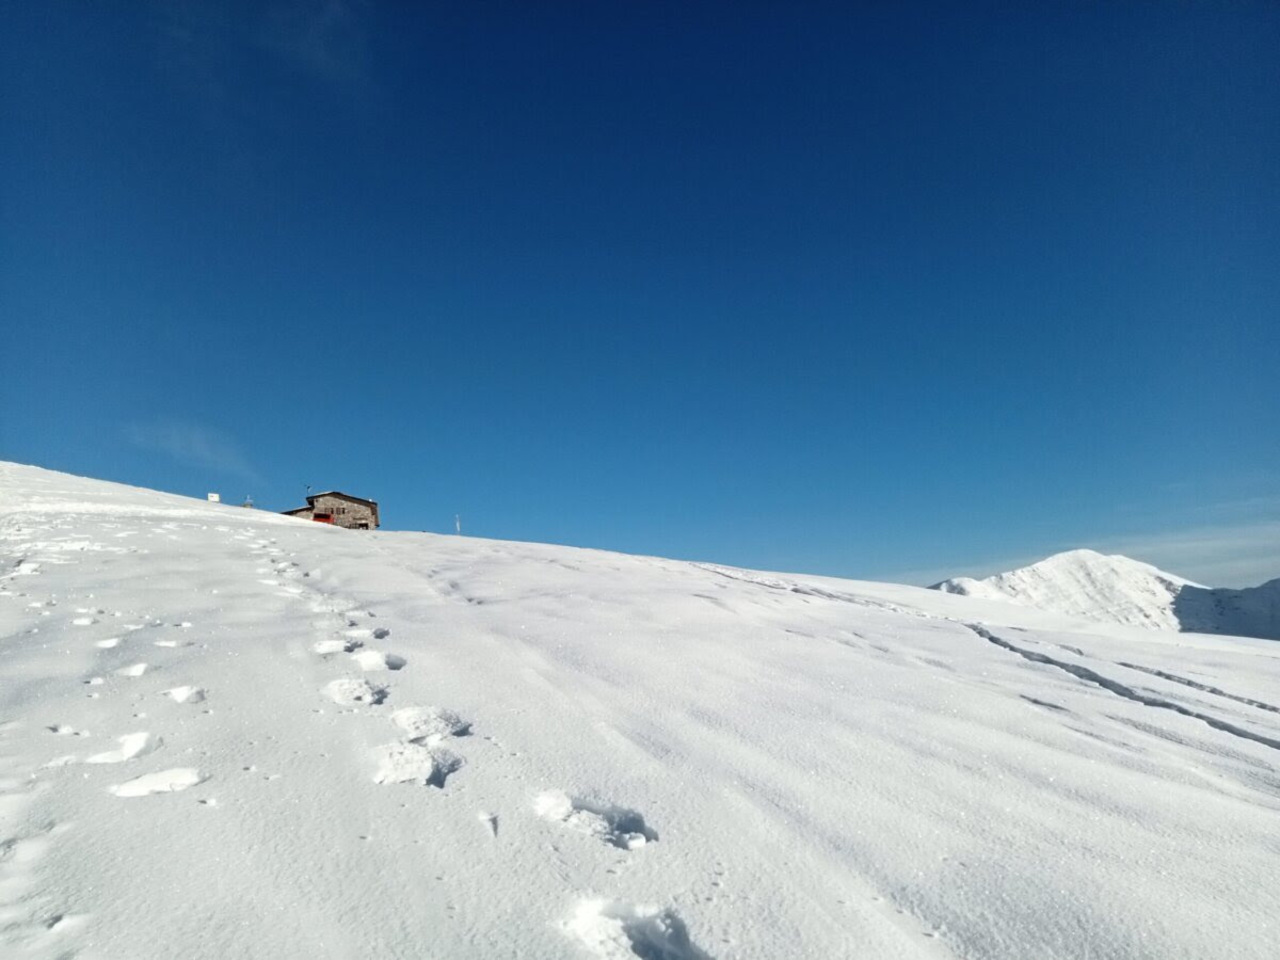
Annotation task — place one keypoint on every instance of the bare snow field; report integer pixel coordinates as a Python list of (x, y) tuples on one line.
[(229, 734)]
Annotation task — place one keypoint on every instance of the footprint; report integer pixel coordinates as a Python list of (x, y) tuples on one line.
[(22, 851), (413, 763), (83, 622), (186, 694), (373, 660), (612, 930), (430, 725), (326, 647), (131, 745), (347, 692), (165, 781), (108, 643), (64, 922), (66, 730), (619, 826), (137, 670)]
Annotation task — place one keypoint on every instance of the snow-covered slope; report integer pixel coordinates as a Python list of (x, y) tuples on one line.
[(1251, 612), (230, 734), (1116, 589)]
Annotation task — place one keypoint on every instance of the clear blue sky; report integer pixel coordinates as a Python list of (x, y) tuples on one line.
[(888, 291)]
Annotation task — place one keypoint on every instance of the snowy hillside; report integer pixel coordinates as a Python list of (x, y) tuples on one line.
[(1116, 589), (231, 734)]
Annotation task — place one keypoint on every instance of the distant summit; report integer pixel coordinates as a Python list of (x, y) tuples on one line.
[(1117, 589)]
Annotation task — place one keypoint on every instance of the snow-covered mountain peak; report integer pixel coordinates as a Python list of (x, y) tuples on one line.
[(1085, 583), (1112, 588), (1085, 563)]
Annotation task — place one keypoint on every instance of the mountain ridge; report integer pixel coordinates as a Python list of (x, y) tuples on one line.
[(1118, 589)]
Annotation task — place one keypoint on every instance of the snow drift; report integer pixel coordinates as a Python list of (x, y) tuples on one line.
[(230, 734), (1116, 589)]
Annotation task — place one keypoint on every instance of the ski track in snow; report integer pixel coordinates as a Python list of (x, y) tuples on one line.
[(1121, 690), (1203, 687), (592, 843)]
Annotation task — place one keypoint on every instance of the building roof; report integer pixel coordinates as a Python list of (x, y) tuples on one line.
[(338, 493)]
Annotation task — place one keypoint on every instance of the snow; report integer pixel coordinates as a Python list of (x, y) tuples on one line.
[(1117, 589), (1084, 583), (561, 753), (165, 781)]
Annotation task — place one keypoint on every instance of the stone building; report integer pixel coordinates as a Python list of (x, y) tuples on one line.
[(340, 509)]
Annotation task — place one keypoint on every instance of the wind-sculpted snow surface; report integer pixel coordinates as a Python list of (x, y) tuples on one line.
[(225, 733)]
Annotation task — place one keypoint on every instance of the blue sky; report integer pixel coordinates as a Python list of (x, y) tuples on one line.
[(893, 291)]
